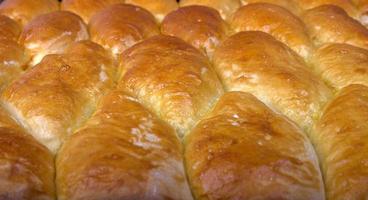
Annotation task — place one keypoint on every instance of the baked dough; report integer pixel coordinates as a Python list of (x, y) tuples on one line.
[(278, 22), (257, 63), (244, 150), (23, 11), (120, 26), (122, 152), (171, 78), (87, 8), (52, 33), (200, 26), (340, 139), (53, 98)]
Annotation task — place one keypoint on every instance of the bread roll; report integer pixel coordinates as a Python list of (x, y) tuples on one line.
[(159, 8), (341, 139), (244, 150), (331, 24), (225, 7), (200, 26), (292, 6), (24, 11), (52, 99), (52, 33), (255, 62), (342, 64), (277, 21), (87, 8), (26, 167), (171, 78), (120, 26), (347, 5), (9, 29), (12, 61), (123, 152)]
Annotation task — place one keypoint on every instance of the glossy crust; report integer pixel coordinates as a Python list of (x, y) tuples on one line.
[(255, 62), (159, 8), (87, 8), (24, 11), (347, 5), (12, 61), (200, 26), (342, 64), (277, 21), (292, 6), (226, 8), (120, 26), (331, 24), (52, 33), (243, 150), (9, 29), (123, 152), (171, 78), (341, 140), (52, 99), (26, 167)]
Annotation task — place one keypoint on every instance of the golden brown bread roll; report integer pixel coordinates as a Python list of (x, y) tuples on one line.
[(120, 26), (244, 150), (226, 8), (257, 63), (342, 64), (347, 5), (277, 21), (123, 152), (171, 78), (52, 99), (200, 26), (26, 167), (12, 61), (9, 29), (292, 6), (341, 139), (87, 8), (24, 11), (52, 33), (159, 8), (331, 24)]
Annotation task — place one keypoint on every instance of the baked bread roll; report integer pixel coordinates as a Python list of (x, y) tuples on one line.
[(244, 150), (52, 33), (52, 99), (120, 26), (26, 167), (257, 63), (341, 137), (87, 8), (200, 26), (24, 11), (171, 78), (342, 64), (9, 29), (225, 7), (347, 5), (277, 21), (331, 24), (292, 6), (159, 8), (12, 61), (123, 152)]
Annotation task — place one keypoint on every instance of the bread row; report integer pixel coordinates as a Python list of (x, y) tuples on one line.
[(152, 117)]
